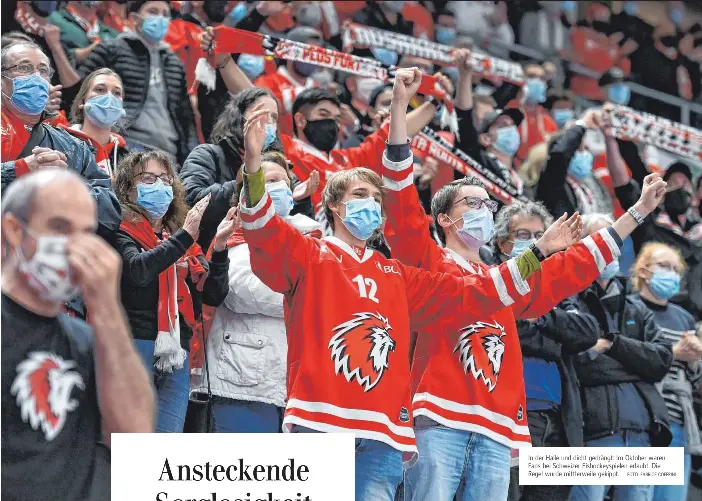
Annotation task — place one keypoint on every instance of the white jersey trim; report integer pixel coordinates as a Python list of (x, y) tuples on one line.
[(463, 263), (500, 286), (520, 284), (475, 428), (345, 413), (398, 166), (393, 185), (596, 254), (367, 253), (611, 243), (475, 410)]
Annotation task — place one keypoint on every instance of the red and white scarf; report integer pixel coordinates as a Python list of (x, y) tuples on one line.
[(236, 41), (433, 145), (174, 297), (362, 37), (633, 125), (31, 23)]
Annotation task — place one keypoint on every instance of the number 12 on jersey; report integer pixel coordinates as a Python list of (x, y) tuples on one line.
[(366, 288)]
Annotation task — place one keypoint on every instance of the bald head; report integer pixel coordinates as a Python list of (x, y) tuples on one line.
[(50, 201)]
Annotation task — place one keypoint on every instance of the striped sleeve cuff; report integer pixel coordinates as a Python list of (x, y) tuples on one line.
[(256, 217), (512, 280), (604, 247), (398, 175)]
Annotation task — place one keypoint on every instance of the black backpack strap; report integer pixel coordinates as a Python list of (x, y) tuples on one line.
[(35, 139)]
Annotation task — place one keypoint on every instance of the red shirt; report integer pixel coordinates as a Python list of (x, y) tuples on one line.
[(536, 128), (14, 137), (285, 90)]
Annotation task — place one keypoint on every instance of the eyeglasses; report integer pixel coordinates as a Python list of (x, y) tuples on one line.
[(527, 235), (25, 69), (476, 203), (149, 178)]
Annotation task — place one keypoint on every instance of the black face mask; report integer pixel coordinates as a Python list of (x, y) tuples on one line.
[(670, 41), (322, 134), (677, 202), (215, 10)]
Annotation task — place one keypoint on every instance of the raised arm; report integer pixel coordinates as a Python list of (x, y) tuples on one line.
[(279, 253)]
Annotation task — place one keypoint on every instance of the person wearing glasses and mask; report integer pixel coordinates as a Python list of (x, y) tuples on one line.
[(548, 344), (465, 430), (29, 145), (165, 276)]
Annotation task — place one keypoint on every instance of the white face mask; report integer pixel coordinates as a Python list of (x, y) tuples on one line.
[(48, 271)]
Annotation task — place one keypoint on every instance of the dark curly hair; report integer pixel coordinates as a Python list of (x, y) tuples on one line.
[(134, 164)]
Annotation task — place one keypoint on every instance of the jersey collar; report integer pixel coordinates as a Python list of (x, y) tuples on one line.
[(347, 248), (463, 263)]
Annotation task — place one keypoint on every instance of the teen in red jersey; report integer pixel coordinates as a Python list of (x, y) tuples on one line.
[(468, 388)]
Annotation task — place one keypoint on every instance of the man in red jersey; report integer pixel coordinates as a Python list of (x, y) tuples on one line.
[(469, 399), (348, 356)]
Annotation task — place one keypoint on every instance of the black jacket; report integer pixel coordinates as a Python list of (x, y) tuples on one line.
[(638, 355), (129, 58), (553, 190), (558, 337), (690, 296), (140, 271)]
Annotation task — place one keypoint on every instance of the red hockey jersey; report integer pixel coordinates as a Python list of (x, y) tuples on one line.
[(472, 377), (285, 89), (347, 320)]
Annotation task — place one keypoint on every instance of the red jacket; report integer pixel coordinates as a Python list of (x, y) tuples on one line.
[(348, 355), (285, 90), (471, 378)]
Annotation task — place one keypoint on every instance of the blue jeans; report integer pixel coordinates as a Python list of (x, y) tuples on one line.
[(675, 492), (171, 389), (623, 438), (452, 462), (378, 468), (241, 416)]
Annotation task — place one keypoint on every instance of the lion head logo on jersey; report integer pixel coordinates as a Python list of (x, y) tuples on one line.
[(43, 389), (480, 349), (361, 347)]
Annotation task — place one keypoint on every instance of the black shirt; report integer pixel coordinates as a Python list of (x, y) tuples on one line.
[(51, 424)]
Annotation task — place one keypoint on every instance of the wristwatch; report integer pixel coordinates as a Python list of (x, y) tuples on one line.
[(537, 252), (635, 214), (609, 336)]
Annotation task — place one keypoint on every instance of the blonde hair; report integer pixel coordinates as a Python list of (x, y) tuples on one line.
[(643, 260), (338, 184), (534, 164)]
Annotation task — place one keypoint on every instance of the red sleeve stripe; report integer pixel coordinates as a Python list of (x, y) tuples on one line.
[(393, 185), (520, 284), (257, 217), (599, 250), (398, 166), (500, 286)]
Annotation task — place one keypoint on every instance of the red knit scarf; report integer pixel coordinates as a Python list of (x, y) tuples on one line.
[(174, 297)]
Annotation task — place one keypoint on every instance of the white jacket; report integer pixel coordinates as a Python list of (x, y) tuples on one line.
[(247, 347)]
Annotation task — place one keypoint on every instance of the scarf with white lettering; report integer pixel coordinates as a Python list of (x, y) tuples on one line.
[(362, 37), (236, 41), (433, 145), (634, 125)]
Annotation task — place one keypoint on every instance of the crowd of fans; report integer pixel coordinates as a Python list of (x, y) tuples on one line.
[(184, 179)]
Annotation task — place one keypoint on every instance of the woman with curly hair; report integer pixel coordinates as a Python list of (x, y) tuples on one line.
[(165, 276)]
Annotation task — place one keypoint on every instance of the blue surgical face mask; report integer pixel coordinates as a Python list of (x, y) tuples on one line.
[(385, 56), (251, 65), (477, 228), (610, 271), (238, 13), (677, 15), (664, 284), (271, 134), (281, 196), (154, 28), (304, 69), (580, 165), (30, 94), (619, 94), (362, 217), (569, 7), (155, 198), (631, 8), (562, 116), (445, 35), (520, 246), (535, 90), (508, 140), (104, 110)]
